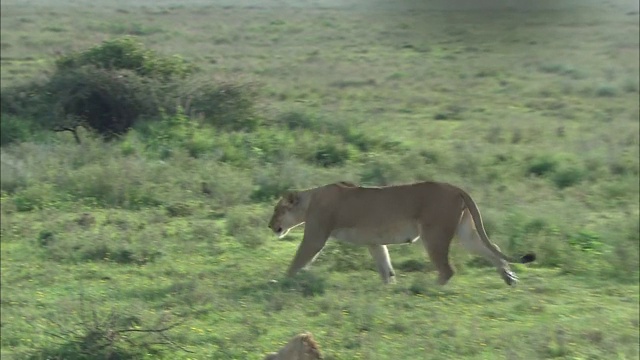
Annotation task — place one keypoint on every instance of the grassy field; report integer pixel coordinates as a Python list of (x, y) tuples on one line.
[(532, 109)]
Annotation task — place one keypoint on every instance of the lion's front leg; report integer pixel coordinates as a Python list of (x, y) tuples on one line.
[(380, 254), (313, 241)]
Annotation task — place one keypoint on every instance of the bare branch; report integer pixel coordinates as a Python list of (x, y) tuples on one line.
[(73, 130)]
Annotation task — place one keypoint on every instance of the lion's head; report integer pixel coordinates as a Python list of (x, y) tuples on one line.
[(288, 213), (301, 347)]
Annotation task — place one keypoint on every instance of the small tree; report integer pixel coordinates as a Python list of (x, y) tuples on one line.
[(107, 101), (109, 86)]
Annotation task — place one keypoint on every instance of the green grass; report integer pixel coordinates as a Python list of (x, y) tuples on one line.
[(535, 113)]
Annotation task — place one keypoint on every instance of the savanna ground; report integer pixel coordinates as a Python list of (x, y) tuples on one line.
[(534, 111)]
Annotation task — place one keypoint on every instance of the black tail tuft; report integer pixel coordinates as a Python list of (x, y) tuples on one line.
[(528, 258)]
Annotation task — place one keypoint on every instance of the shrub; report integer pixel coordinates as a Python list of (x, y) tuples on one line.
[(520, 229), (169, 133), (296, 120), (606, 91), (111, 86), (45, 238), (568, 176), (331, 154), (34, 197), (126, 53), (118, 334), (223, 105), (179, 209), (270, 183), (108, 101), (542, 165), (15, 129), (562, 170), (105, 88), (25, 100), (200, 143)]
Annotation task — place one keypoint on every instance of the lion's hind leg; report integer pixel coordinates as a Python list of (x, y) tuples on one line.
[(470, 240), (437, 242), (380, 254)]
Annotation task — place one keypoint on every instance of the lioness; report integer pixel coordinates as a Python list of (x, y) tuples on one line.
[(379, 216), (300, 347)]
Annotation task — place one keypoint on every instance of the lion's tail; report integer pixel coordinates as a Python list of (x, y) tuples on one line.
[(477, 219)]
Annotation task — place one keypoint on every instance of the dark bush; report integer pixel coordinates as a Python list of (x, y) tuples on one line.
[(107, 101), (109, 86), (542, 165), (329, 155), (568, 176), (45, 238)]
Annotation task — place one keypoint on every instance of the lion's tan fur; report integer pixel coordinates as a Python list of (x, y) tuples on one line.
[(301, 347), (380, 216)]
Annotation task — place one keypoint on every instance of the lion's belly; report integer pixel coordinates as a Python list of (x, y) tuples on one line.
[(399, 233)]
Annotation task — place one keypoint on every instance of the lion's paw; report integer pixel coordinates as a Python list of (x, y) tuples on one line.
[(509, 277)]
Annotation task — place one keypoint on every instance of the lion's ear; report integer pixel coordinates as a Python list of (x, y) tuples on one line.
[(292, 198)]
